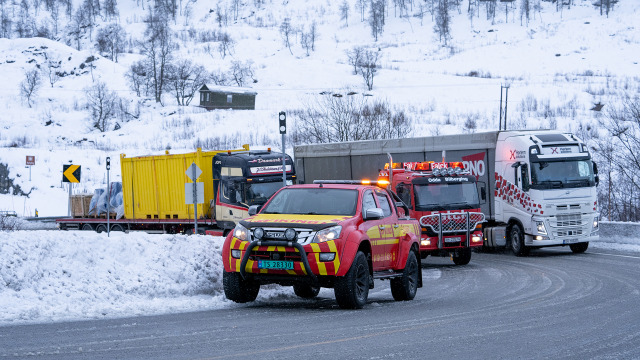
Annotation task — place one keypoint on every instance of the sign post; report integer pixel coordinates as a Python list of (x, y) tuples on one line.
[(194, 192), (31, 160), (70, 174), (108, 196), (282, 117)]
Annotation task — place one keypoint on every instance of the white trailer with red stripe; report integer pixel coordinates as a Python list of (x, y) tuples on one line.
[(537, 187)]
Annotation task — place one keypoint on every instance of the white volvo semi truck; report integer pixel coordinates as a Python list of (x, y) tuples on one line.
[(537, 187)]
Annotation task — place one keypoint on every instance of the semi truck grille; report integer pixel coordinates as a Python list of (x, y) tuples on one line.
[(572, 232), (569, 220), (568, 207)]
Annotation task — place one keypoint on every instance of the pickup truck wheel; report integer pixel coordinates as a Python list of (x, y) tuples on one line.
[(306, 291), (462, 256), (516, 235), (579, 247), (404, 288), (101, 228), (352, 290), (238, 289)]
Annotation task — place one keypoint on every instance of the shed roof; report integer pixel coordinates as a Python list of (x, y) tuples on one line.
[(228, 89)]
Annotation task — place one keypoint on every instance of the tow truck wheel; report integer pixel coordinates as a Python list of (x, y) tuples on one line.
[(101, 228), (87, 227), (306, 291), (238, 289), (462, 256), (352, 290), (405, 287), (516, 235), (579, 247)]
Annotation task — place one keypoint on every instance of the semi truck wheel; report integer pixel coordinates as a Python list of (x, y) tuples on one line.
[(405, 287), (579, 247), (117, 227), (101, 228), (462, 256), (516, 237), (306, 291), (87, 227), (352, 290), (238, 289)]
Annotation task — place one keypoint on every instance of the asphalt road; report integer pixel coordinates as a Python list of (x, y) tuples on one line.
[(550, 305)]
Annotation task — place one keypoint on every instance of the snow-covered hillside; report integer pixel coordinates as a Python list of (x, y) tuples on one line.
[(558, 66)]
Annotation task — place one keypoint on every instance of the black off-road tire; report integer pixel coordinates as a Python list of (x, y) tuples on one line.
[(462, 256), (516, 241), (404, 288), (352, 290), (238, 289), (579, 247), (306, 291)]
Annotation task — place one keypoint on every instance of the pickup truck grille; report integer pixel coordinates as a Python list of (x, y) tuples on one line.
[(275, 255), (277, 234)]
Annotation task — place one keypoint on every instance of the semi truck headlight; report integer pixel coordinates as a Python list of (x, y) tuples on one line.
[(541, 228), (595, 222), (328, 234), (476, 238), (241, 232)]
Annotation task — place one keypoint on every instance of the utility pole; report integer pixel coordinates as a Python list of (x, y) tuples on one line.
[(506, 102)]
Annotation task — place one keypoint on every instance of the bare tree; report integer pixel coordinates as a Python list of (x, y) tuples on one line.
[(344, 12), (157, 48), (313, 35), (30, 85), (110, 41), (286, 31), (368, 66), (137, 77), (442, 25), (376, 18), (305, 41), (226, 44), (185, 78), (525, 10), (102, 105), (348, 118), (355, 57), (50, 70), (110, 9), (241, 71), (361, 5)]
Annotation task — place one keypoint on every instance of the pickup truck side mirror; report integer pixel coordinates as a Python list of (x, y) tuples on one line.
[(373, 214), (254, 209)]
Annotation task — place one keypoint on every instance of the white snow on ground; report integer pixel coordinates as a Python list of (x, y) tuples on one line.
[(48, 276)]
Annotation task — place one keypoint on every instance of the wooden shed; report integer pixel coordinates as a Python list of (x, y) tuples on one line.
[(227, 97)]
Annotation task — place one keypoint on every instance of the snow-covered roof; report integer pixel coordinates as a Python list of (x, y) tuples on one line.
[(228, 89)]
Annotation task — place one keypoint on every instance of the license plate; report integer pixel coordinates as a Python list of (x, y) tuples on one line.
[(570, 241), (277, 265), (451, 239)]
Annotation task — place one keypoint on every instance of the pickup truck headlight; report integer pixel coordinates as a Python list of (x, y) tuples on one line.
[(327, 234), (541, 228), (241, 232)]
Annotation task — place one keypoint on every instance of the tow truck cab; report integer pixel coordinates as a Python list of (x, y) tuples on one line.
[(445, 198)]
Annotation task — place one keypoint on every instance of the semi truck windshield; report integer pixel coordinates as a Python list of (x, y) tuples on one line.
[(316, 201), (562, 174), (445, 196)]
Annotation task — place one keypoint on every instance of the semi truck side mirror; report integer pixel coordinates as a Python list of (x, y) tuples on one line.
[(483, 193), (254, 209), (595, 173)]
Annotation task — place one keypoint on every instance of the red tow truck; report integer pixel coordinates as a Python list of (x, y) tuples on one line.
[(333, 234), (445, 199)]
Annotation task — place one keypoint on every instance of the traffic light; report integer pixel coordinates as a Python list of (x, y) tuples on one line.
[(283, 122)]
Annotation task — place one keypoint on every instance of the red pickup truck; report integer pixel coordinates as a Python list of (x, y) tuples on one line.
[(332, 234)]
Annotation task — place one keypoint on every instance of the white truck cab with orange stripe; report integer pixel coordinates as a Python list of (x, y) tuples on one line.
[(333, 234)]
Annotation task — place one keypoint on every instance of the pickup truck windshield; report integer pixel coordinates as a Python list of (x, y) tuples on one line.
[(313, 201), (562, 174), (443, 196)]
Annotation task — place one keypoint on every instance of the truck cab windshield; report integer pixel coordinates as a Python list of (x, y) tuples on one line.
[(443, 196), (313, 201), (562, 174), (240, 193)]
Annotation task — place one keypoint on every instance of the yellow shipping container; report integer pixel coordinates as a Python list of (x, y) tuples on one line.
[(153, 186)]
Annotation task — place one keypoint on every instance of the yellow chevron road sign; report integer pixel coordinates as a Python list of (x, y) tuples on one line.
[(71, 173)]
